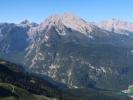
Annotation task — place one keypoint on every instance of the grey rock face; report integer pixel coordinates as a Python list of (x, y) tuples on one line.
[(71, 50)]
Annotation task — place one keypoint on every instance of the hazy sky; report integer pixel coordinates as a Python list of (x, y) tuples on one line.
[(91, 10)]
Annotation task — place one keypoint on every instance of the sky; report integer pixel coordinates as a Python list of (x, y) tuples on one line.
[(90, 10)]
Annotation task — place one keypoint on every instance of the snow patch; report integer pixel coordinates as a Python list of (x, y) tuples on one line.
[(54, 67), (75, 87), (92, 67), (103, 69), (90, 36), (131, 51), (46, 38), (69, 73), (63, 33), (63, 80)]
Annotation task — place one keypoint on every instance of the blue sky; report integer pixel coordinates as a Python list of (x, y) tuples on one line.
[(91, 10)]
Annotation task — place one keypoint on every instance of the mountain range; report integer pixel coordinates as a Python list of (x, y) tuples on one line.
[(73, 51)]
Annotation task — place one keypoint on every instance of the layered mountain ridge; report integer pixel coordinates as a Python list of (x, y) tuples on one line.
[(19, 84), (118, 26), (72, 50)]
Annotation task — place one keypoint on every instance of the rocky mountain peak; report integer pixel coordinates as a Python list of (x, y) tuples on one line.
[(118, 26), (68, 20), (26, 23)]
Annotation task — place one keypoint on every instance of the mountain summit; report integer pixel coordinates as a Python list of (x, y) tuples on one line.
[(68, 20)]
